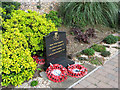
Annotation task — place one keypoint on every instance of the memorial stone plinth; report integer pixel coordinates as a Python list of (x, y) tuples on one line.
[(55, 49)]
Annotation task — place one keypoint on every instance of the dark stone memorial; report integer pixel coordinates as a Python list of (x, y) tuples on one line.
[(55, 49)]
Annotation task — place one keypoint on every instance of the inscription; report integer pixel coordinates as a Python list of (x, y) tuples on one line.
[(56, 52), (56, 43), (56, 48)]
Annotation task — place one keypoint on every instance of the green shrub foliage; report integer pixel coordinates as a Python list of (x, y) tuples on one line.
[(0, 40), (34, 83), (53, 15), (39, 7), (17, 63), (99, 48), (81, 14), (6, 4), (105, 53), (3, 11), (110, 39), (9, 7), (118, 38), (0, 52), (33, 26), (89, 51)]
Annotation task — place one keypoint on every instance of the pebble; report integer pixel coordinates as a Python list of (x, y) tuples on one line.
[(74, 59), (43, 75), (85, 56)]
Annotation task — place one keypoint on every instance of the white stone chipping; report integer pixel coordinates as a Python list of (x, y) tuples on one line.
[(42, 83)]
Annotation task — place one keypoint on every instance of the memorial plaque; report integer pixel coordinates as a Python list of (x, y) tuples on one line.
[(55, 49)]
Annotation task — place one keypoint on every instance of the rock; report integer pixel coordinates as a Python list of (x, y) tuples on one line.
[(25, 84), (30, 81), (85, 56), (39, 79), (74, 59), (116, 34), (35, 79), (43, 75), (98, 54), (78, 62)]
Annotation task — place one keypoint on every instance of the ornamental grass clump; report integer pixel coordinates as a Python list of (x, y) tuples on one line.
[(17, 63), (99, 48), (110, 39), (96, 60), (80, 14), (89, 51), (33, 26)]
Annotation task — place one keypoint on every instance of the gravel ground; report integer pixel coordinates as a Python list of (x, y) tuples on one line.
[(42, 83), (45, 7)]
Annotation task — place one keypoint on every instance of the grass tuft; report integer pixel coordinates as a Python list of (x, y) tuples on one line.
[(79, 14)]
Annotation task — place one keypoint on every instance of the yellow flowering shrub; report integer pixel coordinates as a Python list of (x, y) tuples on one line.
[(0, 52), (2, 11), (32, 25), (17, 63), (1, 19)]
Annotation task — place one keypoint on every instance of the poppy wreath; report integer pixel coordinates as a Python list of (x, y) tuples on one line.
[(77, 71), (56, 73), (39, 60)]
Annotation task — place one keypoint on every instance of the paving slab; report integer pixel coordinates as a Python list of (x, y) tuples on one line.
[(70, 81), (106, 76)]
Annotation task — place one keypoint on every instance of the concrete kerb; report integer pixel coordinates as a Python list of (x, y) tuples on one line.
[(92, 72)]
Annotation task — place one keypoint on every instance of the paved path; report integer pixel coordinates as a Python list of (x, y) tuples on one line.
[(104, 77)]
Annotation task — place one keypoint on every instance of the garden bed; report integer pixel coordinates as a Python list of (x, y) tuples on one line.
[(44, 82), (101, 59), (74, 47)]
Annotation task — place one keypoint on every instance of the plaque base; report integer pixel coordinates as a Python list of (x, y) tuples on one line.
[(63, 61)]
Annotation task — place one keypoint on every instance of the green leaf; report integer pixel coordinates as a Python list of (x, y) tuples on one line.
[(39, 69)]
